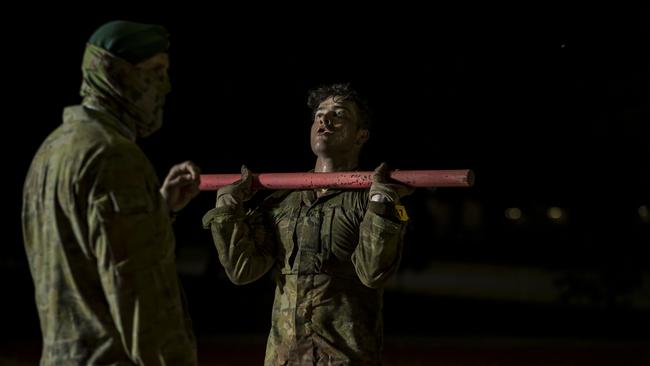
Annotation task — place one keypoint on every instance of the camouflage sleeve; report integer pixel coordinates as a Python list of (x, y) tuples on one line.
[(133, 243), (379, 251), (245, 246)]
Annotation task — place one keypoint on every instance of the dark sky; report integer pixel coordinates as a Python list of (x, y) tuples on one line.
[(548, 104)]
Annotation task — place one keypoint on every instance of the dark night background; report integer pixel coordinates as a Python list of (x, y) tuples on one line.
[(546, 260)]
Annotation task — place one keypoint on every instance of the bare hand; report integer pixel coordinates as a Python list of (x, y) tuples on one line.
[(181, 185)]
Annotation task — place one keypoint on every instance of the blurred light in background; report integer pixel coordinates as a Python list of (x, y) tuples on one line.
[(556, 214), (513, 213)]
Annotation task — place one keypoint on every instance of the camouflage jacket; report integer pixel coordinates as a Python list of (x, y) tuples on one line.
[(331, 256), (101, 250)]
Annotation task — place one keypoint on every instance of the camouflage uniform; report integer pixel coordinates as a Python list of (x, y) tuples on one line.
[(100, 243), (330, 255)]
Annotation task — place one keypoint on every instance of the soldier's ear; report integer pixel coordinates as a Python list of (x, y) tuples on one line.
[(362, 136)]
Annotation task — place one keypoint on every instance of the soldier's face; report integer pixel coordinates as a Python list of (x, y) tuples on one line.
[(336, 128), (153, 86), (154, 74), (158, 64)]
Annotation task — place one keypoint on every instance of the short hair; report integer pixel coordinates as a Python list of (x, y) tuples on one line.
[(346, 93)]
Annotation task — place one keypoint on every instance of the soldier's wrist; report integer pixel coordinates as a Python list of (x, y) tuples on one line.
[(383, 209)]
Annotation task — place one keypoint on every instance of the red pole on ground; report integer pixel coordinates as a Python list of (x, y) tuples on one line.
[(349, 180)]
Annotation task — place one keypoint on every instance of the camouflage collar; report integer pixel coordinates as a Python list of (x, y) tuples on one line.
[(88, 112)]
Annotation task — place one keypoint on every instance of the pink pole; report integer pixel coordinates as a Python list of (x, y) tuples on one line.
[(349, 180)]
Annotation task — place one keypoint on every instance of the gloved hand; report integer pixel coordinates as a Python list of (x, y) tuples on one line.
[(238, 192), (384, 188)]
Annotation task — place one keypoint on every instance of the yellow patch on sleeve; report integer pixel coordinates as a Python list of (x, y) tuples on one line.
[(401, 213)]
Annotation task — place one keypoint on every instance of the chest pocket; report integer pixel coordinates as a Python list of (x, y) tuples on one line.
[(340, 236), (136, 227), (134, 203), (284, 221)]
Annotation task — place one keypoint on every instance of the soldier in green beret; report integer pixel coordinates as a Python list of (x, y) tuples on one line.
[(96, 220)]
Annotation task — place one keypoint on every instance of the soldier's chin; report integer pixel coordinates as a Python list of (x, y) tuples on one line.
[(146, 130), (320, 147)]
